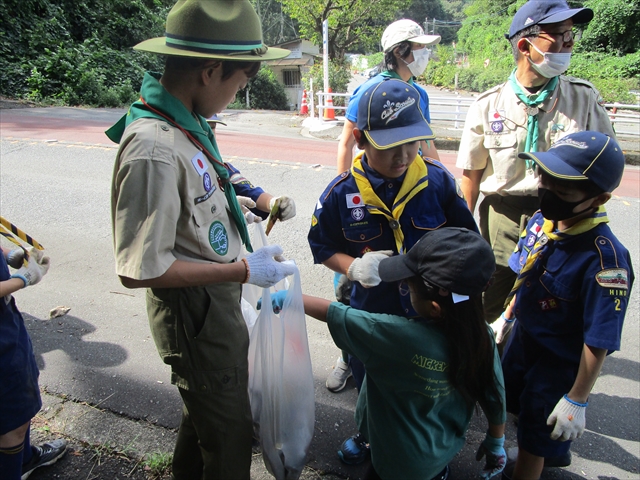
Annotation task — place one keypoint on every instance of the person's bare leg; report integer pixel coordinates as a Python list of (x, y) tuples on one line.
[(528, 466)]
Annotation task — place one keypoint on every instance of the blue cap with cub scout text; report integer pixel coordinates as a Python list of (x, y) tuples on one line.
[(389, 115), (543, 12), (584, 155)]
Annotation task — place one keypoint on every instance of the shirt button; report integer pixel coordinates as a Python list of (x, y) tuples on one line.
[(225, 379), (390, 185), (203, 388), (394, 224), (362, 237), (213, 209), (527, 284), (406, 310), (164, 128)]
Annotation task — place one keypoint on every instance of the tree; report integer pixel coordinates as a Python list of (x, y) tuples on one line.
[(277, 26), (614, 28), (352, 23), (421, 10)]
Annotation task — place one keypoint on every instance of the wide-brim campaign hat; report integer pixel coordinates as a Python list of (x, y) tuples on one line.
[(218, 29), (453, 258), (406, 30), (543, 12), (586, 155), (389, 115)]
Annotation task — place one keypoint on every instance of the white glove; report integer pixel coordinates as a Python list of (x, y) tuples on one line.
[(569, 419), (265, 267), (287, 207), (502, 326), (245, 204), (365, 268), (37, 267), (15, 257)]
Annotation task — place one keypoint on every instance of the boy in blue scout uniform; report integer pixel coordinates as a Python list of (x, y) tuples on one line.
[(570, 299), (382, 206), (425, 375), (19, 393)]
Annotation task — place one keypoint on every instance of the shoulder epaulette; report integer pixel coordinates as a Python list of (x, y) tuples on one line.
[(491, 91), (337, 181), (436, 163)]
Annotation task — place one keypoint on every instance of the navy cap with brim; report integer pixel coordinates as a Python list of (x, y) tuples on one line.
[(396, 268), (554, 165), (578, 15), (544, 12), (393, 137)]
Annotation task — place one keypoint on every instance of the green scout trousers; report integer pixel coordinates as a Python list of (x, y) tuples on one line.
[(201, 333)]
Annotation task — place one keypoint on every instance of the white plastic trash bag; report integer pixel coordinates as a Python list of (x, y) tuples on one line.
[(281, 384)]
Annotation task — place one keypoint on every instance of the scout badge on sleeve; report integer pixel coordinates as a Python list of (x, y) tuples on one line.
[(273, 216)]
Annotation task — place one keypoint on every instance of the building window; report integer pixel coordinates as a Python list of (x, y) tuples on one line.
[(292, 78)]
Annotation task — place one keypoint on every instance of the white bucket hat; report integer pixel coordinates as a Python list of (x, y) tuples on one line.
[(406, 30)]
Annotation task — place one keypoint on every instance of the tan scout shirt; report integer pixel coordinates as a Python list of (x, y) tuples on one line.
[(495, 131), (166, 203)]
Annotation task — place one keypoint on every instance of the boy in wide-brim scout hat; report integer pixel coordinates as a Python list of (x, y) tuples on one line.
[(178, 227)]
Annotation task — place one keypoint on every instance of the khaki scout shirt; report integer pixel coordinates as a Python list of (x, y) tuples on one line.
[(167, 203), (495, 131)]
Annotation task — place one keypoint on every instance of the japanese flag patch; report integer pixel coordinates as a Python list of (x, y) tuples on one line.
[(200, 163), (354, 200)]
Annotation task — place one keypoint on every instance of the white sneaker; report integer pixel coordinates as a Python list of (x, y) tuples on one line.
[(337, 379)]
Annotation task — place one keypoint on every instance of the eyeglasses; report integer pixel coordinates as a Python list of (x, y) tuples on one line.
[(567, 35)]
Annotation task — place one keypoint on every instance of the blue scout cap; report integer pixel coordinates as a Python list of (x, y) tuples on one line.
[(389, 115), (543, 12), (453, 258), (584, 155)]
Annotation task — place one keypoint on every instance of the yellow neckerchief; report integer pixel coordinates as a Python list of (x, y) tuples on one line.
[(415, 180), (548, 236)]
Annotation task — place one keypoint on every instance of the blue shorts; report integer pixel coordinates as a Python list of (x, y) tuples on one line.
[(535, 380), (19, 393)]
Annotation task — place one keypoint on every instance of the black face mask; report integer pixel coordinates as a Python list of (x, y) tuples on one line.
[(554, 208)]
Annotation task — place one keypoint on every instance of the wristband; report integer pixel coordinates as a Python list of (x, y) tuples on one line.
[(573, 402), (21, 277), (247, 274), (508, 320)]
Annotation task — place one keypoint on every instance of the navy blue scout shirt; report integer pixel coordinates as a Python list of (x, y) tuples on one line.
[(245, 188), (342, 224), (577, 293)]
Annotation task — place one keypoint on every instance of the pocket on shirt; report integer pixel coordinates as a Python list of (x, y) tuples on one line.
[(202, 217), (505, 140), (362, 234), (557, 280)]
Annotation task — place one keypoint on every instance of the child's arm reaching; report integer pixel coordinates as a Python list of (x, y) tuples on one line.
[(315, 307), (569, 414)]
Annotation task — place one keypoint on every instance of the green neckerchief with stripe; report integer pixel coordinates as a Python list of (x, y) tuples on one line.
[(156, 102), (549, 235), (416, 180), (533, 130)]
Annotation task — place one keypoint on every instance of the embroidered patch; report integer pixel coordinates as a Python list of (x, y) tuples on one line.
[(496, 116), (366, 249), (357, 214), (200, 163), (354, 200), (531, 240), (391, 110), (497, 126), (218, 238), (615, 278), (206, 182), (548, 304), (314, 221)]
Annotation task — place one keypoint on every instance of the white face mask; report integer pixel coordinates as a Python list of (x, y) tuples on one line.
[(420, 62), (552, 65)]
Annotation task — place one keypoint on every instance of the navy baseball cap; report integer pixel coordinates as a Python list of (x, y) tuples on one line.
[(543, 12), (389, 115), (584, 155), (454, 258)]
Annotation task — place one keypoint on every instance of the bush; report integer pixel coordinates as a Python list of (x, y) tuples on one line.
[(339, 78), (265, 92)]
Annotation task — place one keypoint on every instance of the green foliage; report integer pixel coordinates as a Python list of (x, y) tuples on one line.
[(158, 465), (614, 28), (339, 78), (265, 92)]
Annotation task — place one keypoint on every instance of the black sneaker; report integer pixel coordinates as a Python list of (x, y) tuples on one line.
[(46, 454)]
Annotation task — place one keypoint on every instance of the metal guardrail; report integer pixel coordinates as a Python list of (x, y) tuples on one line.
[(624, 118)]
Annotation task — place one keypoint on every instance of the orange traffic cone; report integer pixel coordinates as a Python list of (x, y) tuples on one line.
[(304, 108), (329, 113)]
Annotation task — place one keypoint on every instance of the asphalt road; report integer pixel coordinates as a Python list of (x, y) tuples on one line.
[(101, 352)]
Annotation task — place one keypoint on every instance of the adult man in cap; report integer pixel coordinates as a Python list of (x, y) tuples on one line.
[(178, 228), (534, 108)]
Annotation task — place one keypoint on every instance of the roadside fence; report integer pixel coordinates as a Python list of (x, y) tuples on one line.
[(453, 110)]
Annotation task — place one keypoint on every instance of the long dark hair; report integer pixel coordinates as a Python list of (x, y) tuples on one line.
[(471, 346), (390, 62)]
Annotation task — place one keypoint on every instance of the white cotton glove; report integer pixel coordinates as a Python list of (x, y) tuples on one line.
[(37, 267), (502, 326), (265, 267), (15, 257), (245, 204), (569, 419), (287, 207), (365, 268)]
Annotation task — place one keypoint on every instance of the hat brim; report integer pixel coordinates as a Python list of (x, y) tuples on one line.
[(578, 15), (159, 46), (554, 165), (394, 269), (393, 137), (426, 39)]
